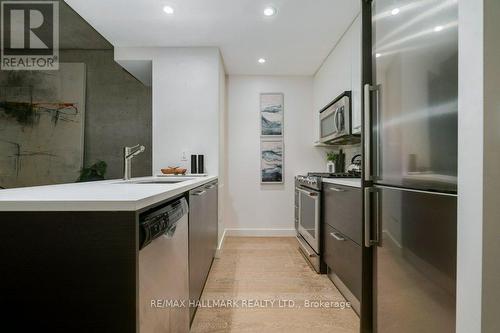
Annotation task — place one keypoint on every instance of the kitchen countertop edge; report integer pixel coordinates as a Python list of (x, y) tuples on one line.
[(47, 205)]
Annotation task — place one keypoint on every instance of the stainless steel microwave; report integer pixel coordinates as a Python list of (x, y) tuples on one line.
[(335, 120)]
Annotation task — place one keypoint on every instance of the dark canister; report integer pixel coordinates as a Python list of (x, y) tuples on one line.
[(194, 164), (201, 164)]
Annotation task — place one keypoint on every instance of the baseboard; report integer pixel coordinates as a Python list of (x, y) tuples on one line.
[(259, 232)]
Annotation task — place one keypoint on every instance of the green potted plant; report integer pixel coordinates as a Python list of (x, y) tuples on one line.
[(94, 172), (331, 158)]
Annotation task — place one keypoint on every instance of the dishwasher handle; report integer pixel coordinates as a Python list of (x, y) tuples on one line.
[(161, 222)]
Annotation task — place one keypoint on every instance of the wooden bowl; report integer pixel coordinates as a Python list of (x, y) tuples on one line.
[(168, 171), (173, 171), (180, 171)]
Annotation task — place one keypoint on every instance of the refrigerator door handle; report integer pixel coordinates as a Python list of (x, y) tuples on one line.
[(368, 121), (378, 172), (367, 135), (369, 241)]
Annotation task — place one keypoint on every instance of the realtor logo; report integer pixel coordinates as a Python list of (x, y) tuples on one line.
[(29, 35)]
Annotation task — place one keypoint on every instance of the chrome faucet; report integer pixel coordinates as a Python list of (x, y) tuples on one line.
[(128, 154)]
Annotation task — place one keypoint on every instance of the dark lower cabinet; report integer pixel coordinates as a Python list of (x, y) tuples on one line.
[(343, 257), (73, 271), (203, 220), (342, 209), (342, 239)]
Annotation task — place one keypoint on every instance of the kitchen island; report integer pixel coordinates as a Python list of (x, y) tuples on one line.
[(71, 252)]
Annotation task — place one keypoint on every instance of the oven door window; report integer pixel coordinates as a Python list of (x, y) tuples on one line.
[(309, 217), (328, 125)]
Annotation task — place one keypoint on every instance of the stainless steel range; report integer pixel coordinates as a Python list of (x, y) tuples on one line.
[(308, 214), (307, 218)]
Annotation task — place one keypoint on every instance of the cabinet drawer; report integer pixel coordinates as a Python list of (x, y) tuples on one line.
[(342, 210), (343, 257)]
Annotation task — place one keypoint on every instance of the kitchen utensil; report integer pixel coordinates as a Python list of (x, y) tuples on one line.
[(355, 165)]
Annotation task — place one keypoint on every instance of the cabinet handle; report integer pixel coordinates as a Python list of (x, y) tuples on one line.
[(199, 193), (336, 189), (210, 187), (337, 237), (368, 218)]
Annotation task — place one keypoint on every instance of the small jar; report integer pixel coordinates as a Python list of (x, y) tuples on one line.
[(330, 167)]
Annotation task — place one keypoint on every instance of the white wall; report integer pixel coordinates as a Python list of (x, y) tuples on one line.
[(470, 161), (478, 267), (222, 146), (252, 208), (491, 227), (186, 85), (186, 107)]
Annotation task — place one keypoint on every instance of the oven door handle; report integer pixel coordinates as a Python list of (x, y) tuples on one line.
[(309, 193)]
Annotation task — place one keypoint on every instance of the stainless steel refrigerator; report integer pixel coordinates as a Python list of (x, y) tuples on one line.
[(410, 150)]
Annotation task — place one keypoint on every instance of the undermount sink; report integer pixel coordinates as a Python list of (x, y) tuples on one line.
[(157, 181), (170, 181)]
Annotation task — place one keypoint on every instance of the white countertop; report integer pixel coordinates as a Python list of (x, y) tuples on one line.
[(106, 195), (353, 182)]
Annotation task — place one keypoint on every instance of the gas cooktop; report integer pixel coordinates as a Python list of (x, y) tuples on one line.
[(335, 175)]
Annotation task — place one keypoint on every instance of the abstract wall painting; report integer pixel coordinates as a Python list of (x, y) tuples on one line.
[(42, 126), (271, 162), (271, 114)]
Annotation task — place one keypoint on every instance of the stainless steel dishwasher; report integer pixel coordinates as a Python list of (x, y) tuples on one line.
[(163, 269)]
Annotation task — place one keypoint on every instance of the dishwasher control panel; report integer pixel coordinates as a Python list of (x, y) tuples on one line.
[(161, 221)]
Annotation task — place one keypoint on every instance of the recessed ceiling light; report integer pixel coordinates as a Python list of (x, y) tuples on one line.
[(261, 60), (168, 10), (270, 11), (377, 55), (438, 28), (395, 11)]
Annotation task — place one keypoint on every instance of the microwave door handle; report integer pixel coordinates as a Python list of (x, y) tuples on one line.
[(335, 123), (341, 120)]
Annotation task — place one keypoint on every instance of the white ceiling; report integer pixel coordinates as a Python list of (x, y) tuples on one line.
[(294, 42)]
